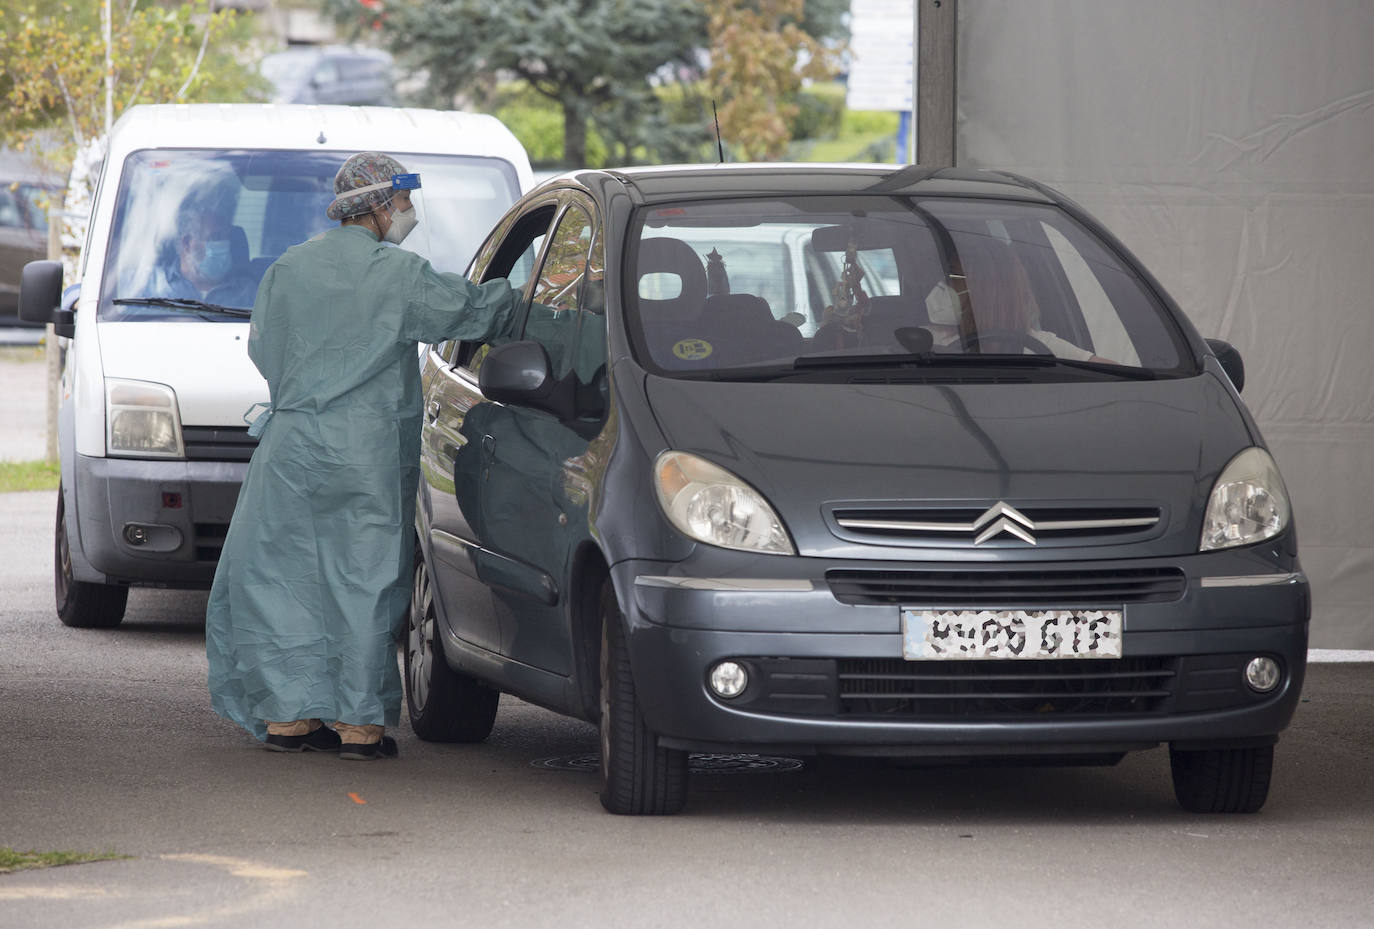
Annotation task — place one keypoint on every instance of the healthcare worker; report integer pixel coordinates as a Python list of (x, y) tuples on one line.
[(314, 578)]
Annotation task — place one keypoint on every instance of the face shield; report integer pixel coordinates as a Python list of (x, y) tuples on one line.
[(404, 210)]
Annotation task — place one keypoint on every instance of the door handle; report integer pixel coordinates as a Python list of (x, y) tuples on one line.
[(488, 444), (432, 411)]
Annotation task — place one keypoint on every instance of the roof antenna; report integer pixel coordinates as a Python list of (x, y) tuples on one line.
[(720, 147)]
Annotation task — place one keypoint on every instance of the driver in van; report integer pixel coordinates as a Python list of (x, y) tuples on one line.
[(313, 582), (201, 265)]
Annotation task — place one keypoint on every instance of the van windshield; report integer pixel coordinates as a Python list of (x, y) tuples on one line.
[(194, 230), (736, 288)]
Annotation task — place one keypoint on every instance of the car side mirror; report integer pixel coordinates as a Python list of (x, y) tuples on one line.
[(519, 373), (1231, 362), (40, 297)]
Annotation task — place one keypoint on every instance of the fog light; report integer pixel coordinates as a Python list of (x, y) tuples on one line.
[(135, 535), (1262, 674), (728, 679)]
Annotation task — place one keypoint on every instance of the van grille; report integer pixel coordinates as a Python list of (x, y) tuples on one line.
[(1022, 588), (218, 443)]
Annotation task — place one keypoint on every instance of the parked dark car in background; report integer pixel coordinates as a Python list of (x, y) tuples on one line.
[(24, 208), (977, 490), (331, 74)]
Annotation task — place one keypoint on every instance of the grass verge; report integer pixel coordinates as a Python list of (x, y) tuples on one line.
[(28, 475), (10, 860)]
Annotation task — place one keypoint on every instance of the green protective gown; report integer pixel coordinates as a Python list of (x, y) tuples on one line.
[(314, 579)]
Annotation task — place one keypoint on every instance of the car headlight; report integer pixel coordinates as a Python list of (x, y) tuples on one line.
[(1248, 504), (711, 505), (141, 420)]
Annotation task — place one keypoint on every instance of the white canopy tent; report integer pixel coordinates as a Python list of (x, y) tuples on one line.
[(1230, 144)]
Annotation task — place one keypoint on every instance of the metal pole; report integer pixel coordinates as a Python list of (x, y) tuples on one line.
[(51, 351), (936, 85)]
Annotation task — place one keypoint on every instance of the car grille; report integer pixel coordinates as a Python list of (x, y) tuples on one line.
[(984, 527), (1004, 689), (218, 443), (996, 690), (1022, 588)]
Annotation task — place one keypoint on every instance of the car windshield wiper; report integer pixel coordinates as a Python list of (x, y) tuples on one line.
[(198, 307), (970, 360)]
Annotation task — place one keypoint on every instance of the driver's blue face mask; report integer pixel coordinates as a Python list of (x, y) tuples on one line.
[(216, 261)]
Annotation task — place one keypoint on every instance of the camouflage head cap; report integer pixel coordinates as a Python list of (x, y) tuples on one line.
[(362, 170)]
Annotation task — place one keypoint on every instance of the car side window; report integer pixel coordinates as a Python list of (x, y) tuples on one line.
[(554, 312), (512, 257), (9, 209)]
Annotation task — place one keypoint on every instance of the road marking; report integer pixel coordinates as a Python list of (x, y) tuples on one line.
[(356, 798), (60, 892)]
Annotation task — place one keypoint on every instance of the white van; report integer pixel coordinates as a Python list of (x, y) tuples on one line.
[(194, 203)]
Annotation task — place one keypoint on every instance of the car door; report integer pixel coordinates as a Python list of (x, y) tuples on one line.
[(534, 491), (451, 456)]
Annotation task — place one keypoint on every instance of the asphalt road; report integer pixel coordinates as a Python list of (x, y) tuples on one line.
[(110, 745)]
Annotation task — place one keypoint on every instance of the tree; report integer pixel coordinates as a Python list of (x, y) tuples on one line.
[(595, 58), (760, 54), (75, 66)]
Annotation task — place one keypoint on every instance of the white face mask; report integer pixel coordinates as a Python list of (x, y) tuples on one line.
[(942, 305), (402, 221)]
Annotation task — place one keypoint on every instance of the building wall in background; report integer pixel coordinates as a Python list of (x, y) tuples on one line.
[(1230, 144)]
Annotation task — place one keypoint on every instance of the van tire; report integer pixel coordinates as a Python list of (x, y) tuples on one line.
[(444, 705), (80, 604), (638, 776), (1227, 780)]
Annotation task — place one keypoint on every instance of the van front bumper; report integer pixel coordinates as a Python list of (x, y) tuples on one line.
[(829, 677), (179, 509)]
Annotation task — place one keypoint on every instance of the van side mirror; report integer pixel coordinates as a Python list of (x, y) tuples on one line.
[(1231, 362), (40, 294)]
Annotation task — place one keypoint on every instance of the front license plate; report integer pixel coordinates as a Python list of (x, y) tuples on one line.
[(954, 634)]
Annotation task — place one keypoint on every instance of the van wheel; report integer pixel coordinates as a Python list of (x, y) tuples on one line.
[(445, 705), (1228, 780), (637, 776), (80, 604)]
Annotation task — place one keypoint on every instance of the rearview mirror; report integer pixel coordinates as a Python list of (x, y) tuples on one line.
[(838, 238), (1231, 362)]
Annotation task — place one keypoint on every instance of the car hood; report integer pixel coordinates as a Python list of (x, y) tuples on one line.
[(810, 448), (207, 364)]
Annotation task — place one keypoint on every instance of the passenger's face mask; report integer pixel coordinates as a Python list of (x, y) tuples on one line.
[(216, 261), (402, 221)]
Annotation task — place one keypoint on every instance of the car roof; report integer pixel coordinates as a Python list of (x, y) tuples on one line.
[(289, 126), (675, 182)]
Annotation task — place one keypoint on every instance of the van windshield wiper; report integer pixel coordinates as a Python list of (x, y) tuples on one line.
[(969, 360), (198, 307)]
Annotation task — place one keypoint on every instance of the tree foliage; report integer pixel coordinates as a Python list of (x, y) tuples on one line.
[(54, 63), (760, 54), (597, 59)]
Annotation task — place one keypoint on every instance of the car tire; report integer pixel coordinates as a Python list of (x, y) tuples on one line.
[(1228, 780), (444, 705), (80, 604), (638, 776)]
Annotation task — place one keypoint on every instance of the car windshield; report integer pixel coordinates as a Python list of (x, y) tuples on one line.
[(194, 230), (741, 288)]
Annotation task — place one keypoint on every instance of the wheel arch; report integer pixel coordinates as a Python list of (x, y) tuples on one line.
[(589, 572)]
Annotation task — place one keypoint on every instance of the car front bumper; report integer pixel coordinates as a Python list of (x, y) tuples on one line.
[(827, 676), (182, 509)]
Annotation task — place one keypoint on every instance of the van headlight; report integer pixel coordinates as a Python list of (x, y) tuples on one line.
[(1248, 504), (141, 420), (707, 503)]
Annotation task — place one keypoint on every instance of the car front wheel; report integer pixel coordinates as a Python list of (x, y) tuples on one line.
[(1227, 780), (80, 604), (637, 775), (444, 705)]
